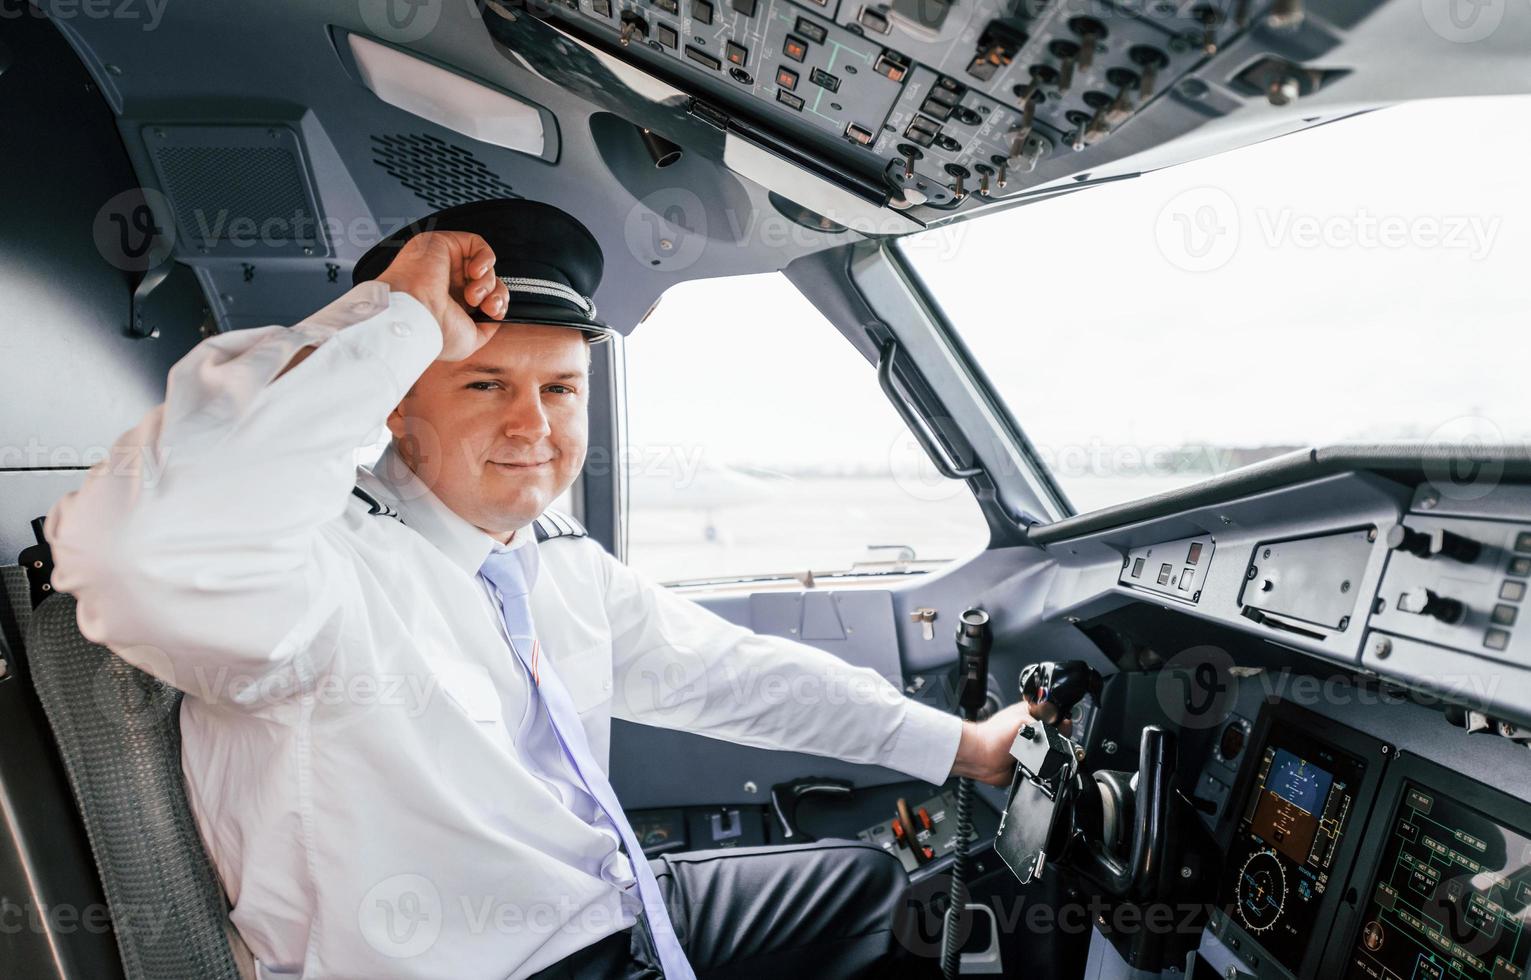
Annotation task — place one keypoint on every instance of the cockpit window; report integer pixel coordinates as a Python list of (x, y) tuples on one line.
[(759, 445), (1356, 282)]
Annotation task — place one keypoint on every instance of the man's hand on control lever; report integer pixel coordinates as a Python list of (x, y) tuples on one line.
[(984, 751), (450, 273)]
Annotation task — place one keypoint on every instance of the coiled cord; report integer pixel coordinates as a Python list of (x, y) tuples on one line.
[(951, 946)]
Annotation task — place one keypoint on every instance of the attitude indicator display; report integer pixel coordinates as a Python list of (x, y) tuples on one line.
[(1299, 808)]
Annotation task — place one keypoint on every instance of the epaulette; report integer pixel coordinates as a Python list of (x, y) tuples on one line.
[(374, 505), (555, 524)]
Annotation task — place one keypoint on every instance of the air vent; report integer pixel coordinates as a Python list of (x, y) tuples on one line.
[(438, 172), (237, 189)]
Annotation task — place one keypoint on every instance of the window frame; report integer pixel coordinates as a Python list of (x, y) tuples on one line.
[(839, 299)]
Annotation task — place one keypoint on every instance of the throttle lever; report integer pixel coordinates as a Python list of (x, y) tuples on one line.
[(1060, 685)]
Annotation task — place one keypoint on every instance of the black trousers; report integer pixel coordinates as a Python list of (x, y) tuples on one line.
[(826, 909)]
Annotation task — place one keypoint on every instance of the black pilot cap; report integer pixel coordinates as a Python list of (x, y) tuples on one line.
[(548, 260)]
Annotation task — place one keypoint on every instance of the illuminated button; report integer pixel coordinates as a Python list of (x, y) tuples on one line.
[(1512, 591), (786, 78), (1164, 573), (1504, 614), (602, 7), (703, 58), (858, 134), (1523, 541), (824, 79), (1194, 555), (1185, 579), (1519, 567), (666, 35), (788, 99), (795, 48), (890, 68), (745, 7), (813, 32), (701, 10), (1137, 568), (737, 54), (1496, 639), (668, 6)]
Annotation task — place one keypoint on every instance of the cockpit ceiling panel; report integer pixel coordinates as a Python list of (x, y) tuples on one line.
[(950, 107)]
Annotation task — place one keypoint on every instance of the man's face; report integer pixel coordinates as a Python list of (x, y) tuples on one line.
[(499, 435)]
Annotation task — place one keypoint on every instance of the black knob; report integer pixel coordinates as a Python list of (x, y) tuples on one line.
[(1423, 602), (1428, 544)]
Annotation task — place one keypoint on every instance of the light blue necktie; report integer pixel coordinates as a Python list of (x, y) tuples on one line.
[(506, 571)]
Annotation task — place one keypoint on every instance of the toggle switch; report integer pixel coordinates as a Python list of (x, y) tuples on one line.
[(1067, 53), (1091, 32), (1151, 61), (926, 617), (1209, 18), (1429, 544), (1423, 602)]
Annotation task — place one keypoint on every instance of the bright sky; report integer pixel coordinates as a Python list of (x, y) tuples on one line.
[(1370, 278)]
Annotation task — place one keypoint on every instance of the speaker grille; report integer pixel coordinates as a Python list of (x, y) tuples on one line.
[(237, 189), (213, 186), (438, 172)]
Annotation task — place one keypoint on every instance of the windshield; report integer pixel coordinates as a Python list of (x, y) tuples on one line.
[(1357, 282)]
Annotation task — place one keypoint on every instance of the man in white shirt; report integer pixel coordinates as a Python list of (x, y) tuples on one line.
[(398, 699)]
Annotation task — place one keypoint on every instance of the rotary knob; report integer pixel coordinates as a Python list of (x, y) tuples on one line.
[(1423, 602), (1428, 544)]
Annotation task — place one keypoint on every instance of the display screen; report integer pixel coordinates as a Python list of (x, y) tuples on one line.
[(1452, 900), (1299, 809)]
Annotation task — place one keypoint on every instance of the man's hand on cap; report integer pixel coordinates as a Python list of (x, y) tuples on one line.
[(450, 273)]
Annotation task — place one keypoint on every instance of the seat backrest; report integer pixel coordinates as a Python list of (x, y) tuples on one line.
[(119, 733)]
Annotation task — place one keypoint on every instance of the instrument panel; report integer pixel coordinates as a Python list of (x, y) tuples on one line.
[(1451, 897), (1297, 830), (1347, 858)]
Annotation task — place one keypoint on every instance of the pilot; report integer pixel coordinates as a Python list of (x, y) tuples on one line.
[(400, 680)]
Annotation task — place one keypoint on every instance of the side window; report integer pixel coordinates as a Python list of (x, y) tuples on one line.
[(759, 444)]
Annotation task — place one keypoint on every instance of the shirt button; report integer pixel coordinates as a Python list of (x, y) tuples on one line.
[(400, 328), (361, 306)]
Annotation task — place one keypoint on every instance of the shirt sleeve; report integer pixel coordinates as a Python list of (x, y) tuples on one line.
[(678, 665), (195, 550)]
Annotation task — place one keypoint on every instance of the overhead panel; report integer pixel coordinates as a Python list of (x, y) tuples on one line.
[(944, 105)]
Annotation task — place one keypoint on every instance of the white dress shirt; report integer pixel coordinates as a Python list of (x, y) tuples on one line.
[(366, 766)]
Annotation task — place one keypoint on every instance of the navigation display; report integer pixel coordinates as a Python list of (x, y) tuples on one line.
[(1299, 808), (1452, 899)]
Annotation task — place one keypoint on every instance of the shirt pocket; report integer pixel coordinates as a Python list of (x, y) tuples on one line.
[(469, 686), (586, 674)]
